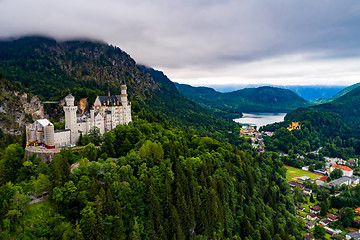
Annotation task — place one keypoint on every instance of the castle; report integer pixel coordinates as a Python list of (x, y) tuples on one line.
[(106, 114)]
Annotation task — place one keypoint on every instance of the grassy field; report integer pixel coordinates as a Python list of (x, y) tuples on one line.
[(292, 173)]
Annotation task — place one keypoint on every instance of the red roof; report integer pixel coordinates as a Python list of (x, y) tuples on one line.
[(341, 167), (324, 178), (315, 208), (332, 216), (312, 214)]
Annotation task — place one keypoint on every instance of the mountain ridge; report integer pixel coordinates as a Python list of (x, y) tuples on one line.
[(261, 99)]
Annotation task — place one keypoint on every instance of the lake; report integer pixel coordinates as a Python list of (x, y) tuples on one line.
[(260, 119)]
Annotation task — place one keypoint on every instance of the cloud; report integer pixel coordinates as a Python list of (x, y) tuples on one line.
[(204, 38)]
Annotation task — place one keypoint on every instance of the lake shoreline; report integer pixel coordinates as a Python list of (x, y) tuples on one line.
[(260, 119)]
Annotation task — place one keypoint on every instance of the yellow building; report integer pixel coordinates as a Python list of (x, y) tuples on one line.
[(293, 126)]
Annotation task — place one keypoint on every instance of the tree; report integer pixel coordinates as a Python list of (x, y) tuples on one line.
[(90, 152), (95, 135), (41, 184), (336, 173), (13, 160), (319, 232), (325, 205)]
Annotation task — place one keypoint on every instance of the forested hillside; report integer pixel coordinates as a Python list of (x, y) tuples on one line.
[(334, 126), (52, 69), (339, 116), (162, 183), (261, 99)]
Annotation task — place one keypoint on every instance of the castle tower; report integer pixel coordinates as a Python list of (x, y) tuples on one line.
[(123, 95), (92, 117), (70, 117), (49, 136)]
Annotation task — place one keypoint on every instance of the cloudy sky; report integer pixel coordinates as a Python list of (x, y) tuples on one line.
[(207, 42)]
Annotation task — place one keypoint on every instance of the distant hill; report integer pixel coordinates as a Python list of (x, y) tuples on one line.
[(261, 99), (336, 96), (308, 92), (315, 92), (338, 116), (51, 69)]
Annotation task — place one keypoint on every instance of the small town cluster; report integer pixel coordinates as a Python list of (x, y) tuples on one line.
[(310, 212), (303, 183)]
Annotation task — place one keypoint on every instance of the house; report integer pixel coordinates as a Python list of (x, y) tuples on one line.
[(320, 171), (309, 225), (325, 222), (315, 209), (293, 184), (332, 231), (308, 191), (348, 172), (301, 208), (303, 179), (311, 216), (332, 217), (357, 210), (306, 168), (320, 183), (308, 236), (353, 235), (351, 162)]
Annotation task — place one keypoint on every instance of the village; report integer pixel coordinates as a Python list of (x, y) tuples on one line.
[(307, 185)]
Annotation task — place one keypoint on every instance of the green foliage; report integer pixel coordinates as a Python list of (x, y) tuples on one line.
[(336, 173), (319, 232)]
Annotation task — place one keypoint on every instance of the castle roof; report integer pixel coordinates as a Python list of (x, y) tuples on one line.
[(69, 96), (341, 167), (110, 100), (44, 122)]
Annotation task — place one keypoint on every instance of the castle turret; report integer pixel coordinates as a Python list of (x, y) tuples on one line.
[(123, 95), (92, 117), (70, 117), (49, 136)]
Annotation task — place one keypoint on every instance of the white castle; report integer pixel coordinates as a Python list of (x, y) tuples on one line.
[(106, 114)]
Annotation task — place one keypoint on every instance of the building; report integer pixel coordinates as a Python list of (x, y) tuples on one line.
[(106, 114), (353, 235), (303, 179), (293, 184), (301, 208), (311, 216), (308, 236), (294, 126), (354, 180), (347, 172), (332, 217), (325, 222), (315, 209), (309, 225)]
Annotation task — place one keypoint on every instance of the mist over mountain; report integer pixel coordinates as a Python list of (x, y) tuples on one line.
[(308, 92)]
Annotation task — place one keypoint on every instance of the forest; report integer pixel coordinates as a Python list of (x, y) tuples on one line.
[(147, 181)]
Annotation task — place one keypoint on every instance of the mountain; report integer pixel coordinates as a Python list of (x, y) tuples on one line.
[(51, 69), (345, 91), (261, 99), (308, 92), (315, 92), (161, 182), (342, 115)]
